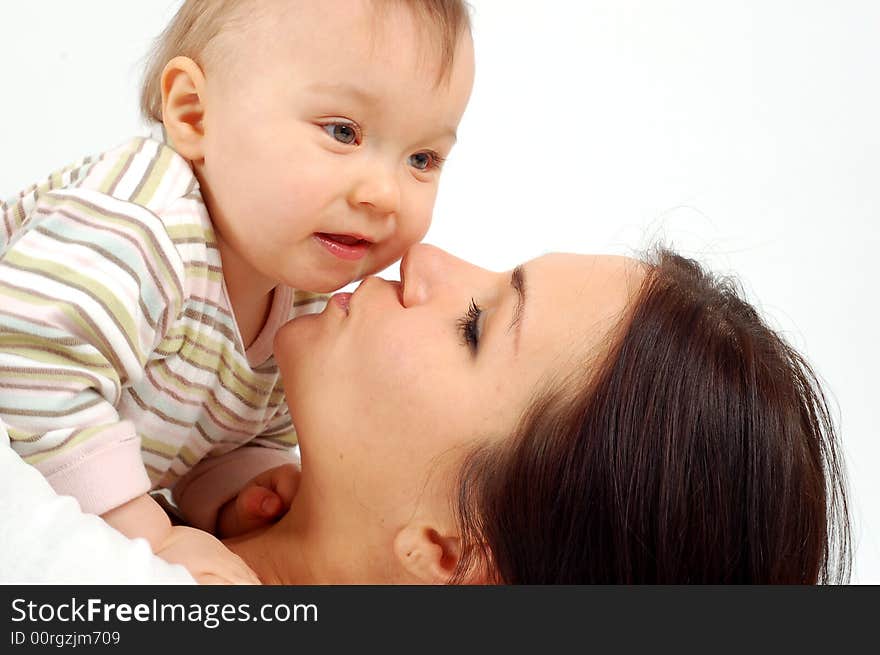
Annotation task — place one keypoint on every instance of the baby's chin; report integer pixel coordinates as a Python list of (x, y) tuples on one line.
[(370, 266), (329, 283)]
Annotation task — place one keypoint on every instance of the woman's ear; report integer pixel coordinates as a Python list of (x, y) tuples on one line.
[(426, 554), (183, 106)]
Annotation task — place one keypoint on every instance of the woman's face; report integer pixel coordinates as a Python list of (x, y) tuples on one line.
[(390, 386)]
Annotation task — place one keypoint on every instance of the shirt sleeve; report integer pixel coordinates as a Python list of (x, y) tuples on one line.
[(47, 539), (88, 288)]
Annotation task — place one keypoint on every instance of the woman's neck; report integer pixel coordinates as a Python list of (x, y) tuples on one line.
[(308, 547), (273, 555)]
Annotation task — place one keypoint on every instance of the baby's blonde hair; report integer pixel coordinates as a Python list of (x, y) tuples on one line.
[(198, 22)]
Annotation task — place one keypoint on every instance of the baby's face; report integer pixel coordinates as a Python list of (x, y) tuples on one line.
[(324, 131)]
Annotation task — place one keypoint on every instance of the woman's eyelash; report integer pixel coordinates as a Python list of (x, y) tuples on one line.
[(468, 325)]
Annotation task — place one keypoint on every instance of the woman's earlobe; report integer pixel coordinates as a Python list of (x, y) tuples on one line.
[(183, 106), (426, 554)]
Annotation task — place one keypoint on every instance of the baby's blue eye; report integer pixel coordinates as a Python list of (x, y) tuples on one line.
[(342, 132), (420, 160), (424, 161)]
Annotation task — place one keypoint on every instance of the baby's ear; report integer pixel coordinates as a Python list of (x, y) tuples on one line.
[(426, 554), (183, 109)]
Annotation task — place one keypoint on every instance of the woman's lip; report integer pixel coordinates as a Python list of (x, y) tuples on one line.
[(341, 300), (348, 252)]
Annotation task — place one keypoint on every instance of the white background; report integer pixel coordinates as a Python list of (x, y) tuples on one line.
[(745, 133)]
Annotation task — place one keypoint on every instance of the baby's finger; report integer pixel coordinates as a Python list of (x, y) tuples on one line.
[(286, 483), (229, 579), (210, 578), (260, 503), (252, 508), (247, 576), (238, 572)]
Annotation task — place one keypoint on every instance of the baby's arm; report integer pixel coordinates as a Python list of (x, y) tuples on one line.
[(94, 282), (46, 539), (206, 558)]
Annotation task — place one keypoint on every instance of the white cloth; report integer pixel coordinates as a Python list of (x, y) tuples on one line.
[(46, 539)]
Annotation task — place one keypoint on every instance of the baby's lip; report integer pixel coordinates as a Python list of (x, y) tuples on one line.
[(347, 238), (347, 247)]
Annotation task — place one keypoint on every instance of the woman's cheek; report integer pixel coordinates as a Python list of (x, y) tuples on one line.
[(419, 355)]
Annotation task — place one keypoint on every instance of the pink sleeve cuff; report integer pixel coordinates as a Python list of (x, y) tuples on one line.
[(214, 481), (101, 473)]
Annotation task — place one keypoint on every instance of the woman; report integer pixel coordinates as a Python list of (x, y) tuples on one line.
[(582, 420)]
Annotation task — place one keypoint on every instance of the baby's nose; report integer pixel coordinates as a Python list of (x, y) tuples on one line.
[(378, 190)]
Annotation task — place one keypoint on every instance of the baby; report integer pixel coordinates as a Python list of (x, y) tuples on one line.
[(298, 148)]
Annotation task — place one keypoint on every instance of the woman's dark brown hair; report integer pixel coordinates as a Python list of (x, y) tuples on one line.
[(699, 449)]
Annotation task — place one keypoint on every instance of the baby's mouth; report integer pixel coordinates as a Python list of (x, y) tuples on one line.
[(344, 246), (344, 239)]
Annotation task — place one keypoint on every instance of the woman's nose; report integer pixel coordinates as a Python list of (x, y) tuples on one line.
[(423, 270)]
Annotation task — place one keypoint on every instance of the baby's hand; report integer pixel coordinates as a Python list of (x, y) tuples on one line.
[(206, 558), (261, 501)]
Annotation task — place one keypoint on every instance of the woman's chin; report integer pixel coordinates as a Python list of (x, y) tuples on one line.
[(295, 344)]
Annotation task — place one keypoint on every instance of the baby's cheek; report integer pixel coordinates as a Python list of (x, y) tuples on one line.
[(390, 252), (413, 225), (417, 228), (409, 230)]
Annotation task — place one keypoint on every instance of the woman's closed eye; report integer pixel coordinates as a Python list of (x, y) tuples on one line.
[(470, 326)]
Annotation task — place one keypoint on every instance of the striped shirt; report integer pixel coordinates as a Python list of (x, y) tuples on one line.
[(121, 365)]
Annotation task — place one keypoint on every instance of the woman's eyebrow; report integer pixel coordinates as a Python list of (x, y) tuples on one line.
[(518, 282)]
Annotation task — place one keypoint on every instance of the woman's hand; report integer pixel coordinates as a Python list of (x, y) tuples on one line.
[(206, 558), (263, 500)]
